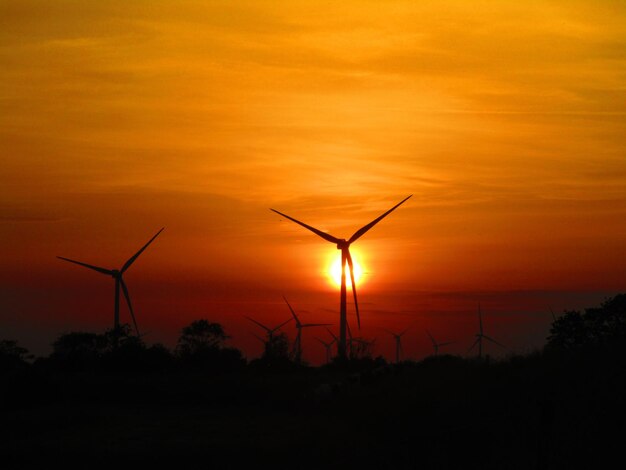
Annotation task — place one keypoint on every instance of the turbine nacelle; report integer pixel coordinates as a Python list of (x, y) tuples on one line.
[(116, 274), (343, 244)]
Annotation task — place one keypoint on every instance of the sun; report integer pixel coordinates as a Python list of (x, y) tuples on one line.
[(334, 270)]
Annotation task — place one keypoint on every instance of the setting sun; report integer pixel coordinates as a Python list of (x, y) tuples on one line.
[(334, 270)]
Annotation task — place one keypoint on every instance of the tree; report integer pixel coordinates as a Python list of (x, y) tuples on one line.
[(603, 326), (12, 355), (201, 343), (276, 348), (199, 336), (78, 349)]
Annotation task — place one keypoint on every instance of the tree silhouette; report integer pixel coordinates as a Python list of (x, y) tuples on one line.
[(199, 336), (12, 355), (201, 343), (603, 326), (77, 350)]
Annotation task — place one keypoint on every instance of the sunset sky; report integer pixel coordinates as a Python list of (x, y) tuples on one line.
[(506, 120)]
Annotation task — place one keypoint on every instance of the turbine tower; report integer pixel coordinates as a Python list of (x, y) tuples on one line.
[(480, 336), (437, 345), (327, 347), (397, 337), (117, 274), (344, 246), (297, 345)]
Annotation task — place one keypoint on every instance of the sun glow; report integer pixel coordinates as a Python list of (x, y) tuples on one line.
[(334, 270)]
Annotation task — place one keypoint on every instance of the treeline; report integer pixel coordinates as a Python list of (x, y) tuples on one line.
[(202, 346)]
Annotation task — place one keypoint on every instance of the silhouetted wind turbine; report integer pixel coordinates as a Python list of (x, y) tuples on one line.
[(480, 336), (297, 345), (258, 337), (328, 347), (553, 315), (437, 345), (270, 331), (344, 246), (397, 337), (119, 281), (336, 340)]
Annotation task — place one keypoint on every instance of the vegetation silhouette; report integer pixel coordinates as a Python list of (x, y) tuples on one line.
[(13, 356), (201, 345), (599, 327), (95, 395)]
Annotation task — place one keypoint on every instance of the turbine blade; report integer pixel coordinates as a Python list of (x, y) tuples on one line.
[(130, 306), (260, 324), (324, 235), (132, 259), (404, 331), (332, 334), (494, 341), (553, 315), (295, 317), (95, 268), (281, 325), (356, 304), (359, 233), (431, 338), (446, 343), (259, 338), (306, 325), (473, 345)]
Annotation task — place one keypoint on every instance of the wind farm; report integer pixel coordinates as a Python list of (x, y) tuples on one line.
[(395, 234), (480, 336)]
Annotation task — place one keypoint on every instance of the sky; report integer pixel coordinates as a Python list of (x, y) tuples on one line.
[(505, 120)]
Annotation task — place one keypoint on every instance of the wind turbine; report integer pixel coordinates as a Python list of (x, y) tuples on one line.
[(344, 246), (297, 345), (553, 315), (328, 347), (397, 337), (335, 339), (117, 274), (437, 345), (480, 336), (270, 331), (364, 347)]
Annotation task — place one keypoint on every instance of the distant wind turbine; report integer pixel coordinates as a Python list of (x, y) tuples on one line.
[(297, 345), (119, 281), (270, 331), (480, 336), (363, 346), (437, 345), (327, 346), (344, 246), (335, 339), (397, 337), (553, 315)]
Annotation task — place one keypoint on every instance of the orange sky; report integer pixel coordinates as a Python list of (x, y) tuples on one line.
[(506, 120)]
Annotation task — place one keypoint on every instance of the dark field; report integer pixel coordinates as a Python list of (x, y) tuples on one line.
[(538, 411)]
